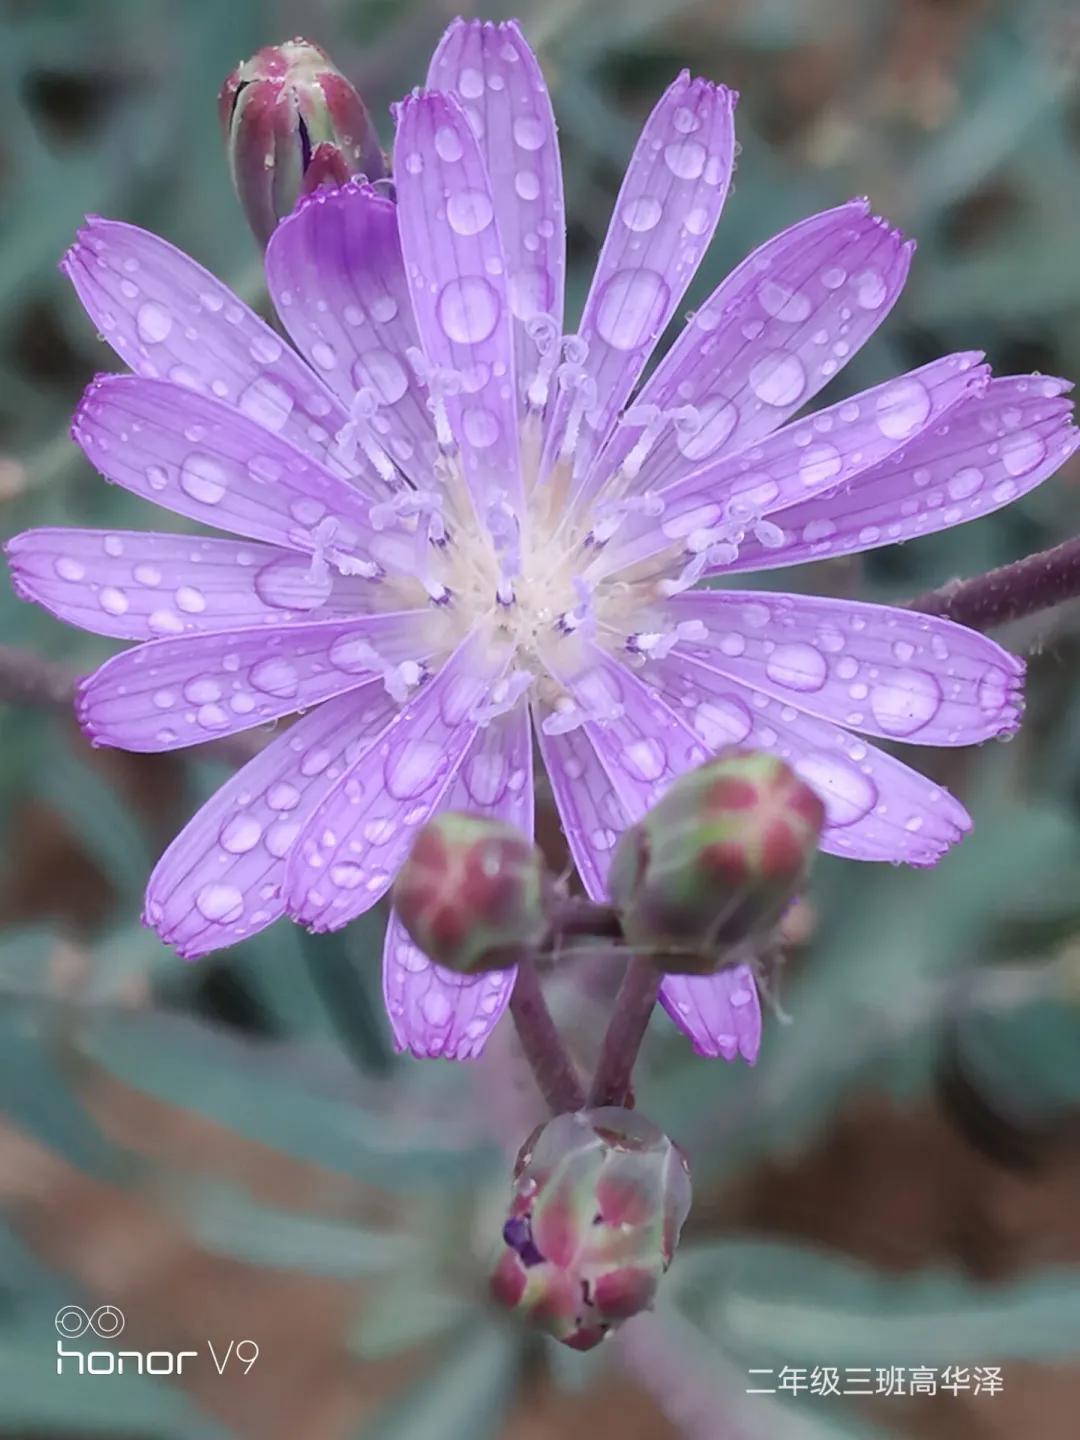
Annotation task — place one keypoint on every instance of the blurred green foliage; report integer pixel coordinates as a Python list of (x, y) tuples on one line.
[(963, 124)]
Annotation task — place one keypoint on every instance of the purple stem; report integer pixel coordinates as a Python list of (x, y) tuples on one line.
[(1007, 593), (626, 1030), (555, 1074)]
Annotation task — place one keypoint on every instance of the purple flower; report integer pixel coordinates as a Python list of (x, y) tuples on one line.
[(459, 531)]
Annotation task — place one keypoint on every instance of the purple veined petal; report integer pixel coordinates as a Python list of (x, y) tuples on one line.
[(498, 80), (876, 807), (352, 846), (873, 668), (724, 501), (434, 1011), (168, 694), (337, 279), (457, 275), (720, 1013), (195, 456), (642, 743), (220, 880), (168, 318), (997, 446), (665, 215), (765, 342), (142, 585), (592, 814)]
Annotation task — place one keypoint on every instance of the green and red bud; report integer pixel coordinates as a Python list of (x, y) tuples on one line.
[(717, 861), (600, 1197), (474, 893), (293, 122)]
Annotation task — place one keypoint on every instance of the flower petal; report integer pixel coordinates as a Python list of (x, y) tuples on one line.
[(167, 317), (457, 275), (435, 1011), (642, 744), (996, 446), (876, 808), (873, 668), (196, 457), (352, 846), (140, 585), (766, 341), (337, 279), (589, 806), (171, 693), (720, 1013), (724, 501), (221, 878), (495, 75), (667, 210)]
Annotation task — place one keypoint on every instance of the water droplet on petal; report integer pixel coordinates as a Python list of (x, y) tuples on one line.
[(778, 378), (718, 418), (965, 483), (783, 302), (414, 767), (641, 213), (722, 722), (797, 666), (222, 903), (902, 408), (153, 322), (632, 307), (275, 676), (870, 289), (905, 700), (528, 132), (685, 158), (468, 309), (203, 478), (469, 211), (847, 793), (240, 834), (1021, 453)]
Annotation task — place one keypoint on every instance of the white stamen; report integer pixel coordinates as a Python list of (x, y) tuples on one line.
[(358, 430)]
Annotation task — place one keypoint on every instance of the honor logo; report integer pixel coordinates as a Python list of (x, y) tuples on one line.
[(107, 1322)]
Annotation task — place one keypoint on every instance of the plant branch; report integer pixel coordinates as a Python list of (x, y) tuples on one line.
[(551, 1065), (1008, 593), (626, 1030)]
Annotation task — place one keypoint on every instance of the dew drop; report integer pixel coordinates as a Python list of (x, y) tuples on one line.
[(275, 677), (223, 903), (870, 289), (153, 322), (469, 211), (641, 213), (819, 463), (266, 403), (797, 666), (1021, 453), (413, 768), (240, 834), (722, 722), (778, 378), (685, 158), (782, 302), (203, 478), (905, 700), (70, 569), (902, 408), (632, 307), (847, 793), (383, 372), (528, 132), (965, 483), (718, 419), (527, 184), (468, 309)]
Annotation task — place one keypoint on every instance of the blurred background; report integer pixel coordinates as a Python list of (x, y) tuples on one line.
[(231, 1151)]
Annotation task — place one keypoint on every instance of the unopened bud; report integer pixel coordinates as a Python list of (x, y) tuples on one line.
[(600, 1198), (293, 122), (716, 861), (473, 893)]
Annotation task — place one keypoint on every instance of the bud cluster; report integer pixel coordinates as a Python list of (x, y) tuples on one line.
[(716, 862), (293, 122), (600, 1198)]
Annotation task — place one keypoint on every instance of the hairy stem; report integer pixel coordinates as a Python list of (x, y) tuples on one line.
[(554, 1070), (1008, 593), (626, 1030)]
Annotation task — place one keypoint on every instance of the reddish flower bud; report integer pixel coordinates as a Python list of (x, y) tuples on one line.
[(599, 1201), (716, 861), (293, 122), (473, 893)]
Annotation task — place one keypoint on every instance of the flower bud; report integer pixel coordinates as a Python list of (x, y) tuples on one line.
[(473, 893), (716, 861), (293, 122), (600, 1197)]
